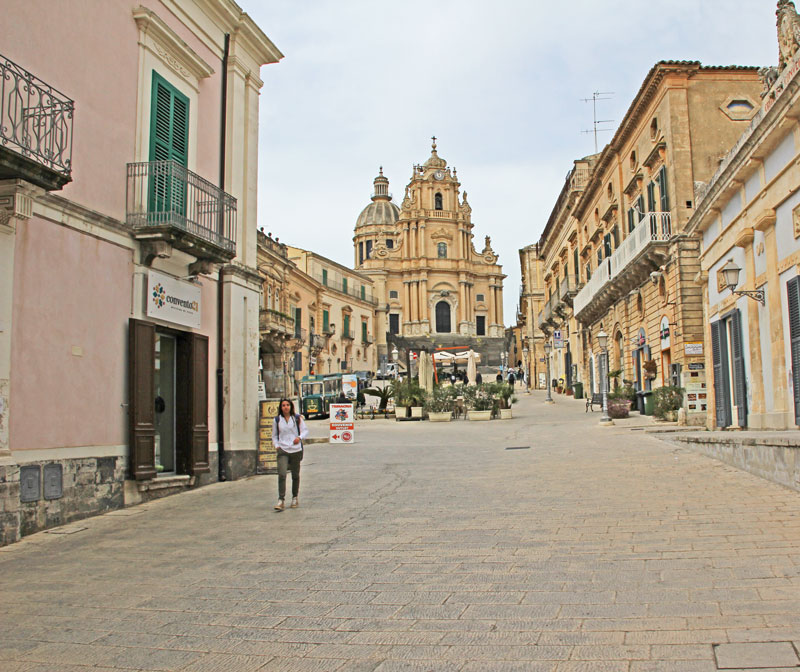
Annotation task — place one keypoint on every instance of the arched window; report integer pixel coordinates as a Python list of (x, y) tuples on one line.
[(278, 299), (269, 298), (441, 249), (437, 201), (443, 317)]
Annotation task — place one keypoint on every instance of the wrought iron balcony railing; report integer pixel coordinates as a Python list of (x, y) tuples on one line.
[(166, 196), (35, 129), (348, 333), (317, 342)]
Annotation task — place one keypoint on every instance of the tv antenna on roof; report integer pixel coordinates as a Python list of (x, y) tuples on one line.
[(598, 95)]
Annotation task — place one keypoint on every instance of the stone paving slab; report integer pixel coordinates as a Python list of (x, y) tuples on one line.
[(429, 547)]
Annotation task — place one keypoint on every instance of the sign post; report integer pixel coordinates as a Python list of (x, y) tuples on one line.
[(350, 386), (342, 424), (267, 461)]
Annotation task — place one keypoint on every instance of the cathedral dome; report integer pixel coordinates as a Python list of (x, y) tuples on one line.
[(381, 211)]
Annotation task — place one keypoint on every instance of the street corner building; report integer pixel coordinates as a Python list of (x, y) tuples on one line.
[(433, 288), (615, 255), (748, 225), (130, 295)]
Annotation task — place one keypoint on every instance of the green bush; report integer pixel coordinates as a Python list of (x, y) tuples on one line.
[(441, 400), (666, 399), (625, 392), (479, 397), (408, 392)]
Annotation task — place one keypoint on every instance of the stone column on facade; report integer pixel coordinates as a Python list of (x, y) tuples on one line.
[(462, 300), (407, 318), (422, 240), (492, 312), (766, 224), (745, 241), (423, 303)]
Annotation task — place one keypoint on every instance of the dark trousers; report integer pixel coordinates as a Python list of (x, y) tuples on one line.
[(286, 462)]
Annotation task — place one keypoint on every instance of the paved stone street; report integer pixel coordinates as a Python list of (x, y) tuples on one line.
[(430, 547)]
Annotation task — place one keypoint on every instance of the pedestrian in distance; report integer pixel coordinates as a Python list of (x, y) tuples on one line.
[(478, 378), (288, 432), (499, 377), (511, 379)]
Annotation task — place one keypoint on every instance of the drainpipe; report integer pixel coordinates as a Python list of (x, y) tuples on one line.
[(220, 303)]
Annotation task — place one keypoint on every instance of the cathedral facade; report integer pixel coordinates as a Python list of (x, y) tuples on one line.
[(434, 289)]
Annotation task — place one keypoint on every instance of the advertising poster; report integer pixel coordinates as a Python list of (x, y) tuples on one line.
[(267, 461), (350, 386), (342, 424)]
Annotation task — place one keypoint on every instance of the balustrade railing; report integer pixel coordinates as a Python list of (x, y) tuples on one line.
[(653, 227), (35, 119), (166, 193)]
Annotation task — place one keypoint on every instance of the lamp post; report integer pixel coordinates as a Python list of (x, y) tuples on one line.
[(527, 370), (503, 362), (602, 340), (395, 357), (547, 347)]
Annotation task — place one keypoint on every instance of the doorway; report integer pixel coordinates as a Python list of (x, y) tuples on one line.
[(164, 405)]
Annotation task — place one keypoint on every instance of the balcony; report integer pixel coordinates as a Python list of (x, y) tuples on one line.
[(568, 289), (643, 251), (347, 334), (366, 339), (298, 338), (317, 343), (35, 129), (274, 322), (168, 203)]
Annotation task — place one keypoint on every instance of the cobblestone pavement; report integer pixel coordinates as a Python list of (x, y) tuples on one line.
[(429, 547)]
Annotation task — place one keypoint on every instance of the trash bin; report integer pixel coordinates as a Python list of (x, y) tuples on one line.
[(577, 390), (645, 402)]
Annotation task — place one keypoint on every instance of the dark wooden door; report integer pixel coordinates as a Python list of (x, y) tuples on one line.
[(141, 399)]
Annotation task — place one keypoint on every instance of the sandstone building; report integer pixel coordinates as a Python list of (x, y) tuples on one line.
[(433, 288)]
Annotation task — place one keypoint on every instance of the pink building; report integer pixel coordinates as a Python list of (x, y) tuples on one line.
[(129, 294)]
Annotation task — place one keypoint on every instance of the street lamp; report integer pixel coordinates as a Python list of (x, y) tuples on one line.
[(547, 347), (395, 357), (502, 361), (527, 370), (730, 273), (602, 340)]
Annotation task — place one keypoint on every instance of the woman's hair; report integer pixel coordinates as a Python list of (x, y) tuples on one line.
[(291, 407)]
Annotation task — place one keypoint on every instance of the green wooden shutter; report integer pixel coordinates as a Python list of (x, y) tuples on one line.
[(364, 332), (651, 197), (793, 290), (662, 188), (576, 266), (346, 331), (719, 355), (631, 220), (740, 382), (169, 141), (363, 293), (344, 285), (326, 319), (325, 276)]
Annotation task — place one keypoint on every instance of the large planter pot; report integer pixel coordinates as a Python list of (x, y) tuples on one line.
[(479, 415), (400, 412), (445, 416), (416, 411), (619, 408), (505, 414)]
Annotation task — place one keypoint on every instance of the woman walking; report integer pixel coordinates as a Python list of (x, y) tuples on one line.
[(288, 432)]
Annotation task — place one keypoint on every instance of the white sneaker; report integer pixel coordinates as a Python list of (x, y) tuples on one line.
[(279, 505), (294, 503)]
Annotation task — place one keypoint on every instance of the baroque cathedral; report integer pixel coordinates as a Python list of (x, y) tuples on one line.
[(434, 289)]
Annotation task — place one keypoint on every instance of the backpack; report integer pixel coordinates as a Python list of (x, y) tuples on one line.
[(278, 425)]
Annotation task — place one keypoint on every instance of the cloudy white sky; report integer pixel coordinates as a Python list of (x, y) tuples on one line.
[(366, 83)]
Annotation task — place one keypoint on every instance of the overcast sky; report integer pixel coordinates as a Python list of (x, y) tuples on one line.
[(499, 82)]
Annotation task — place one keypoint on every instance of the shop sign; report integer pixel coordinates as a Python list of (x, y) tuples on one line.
[(664, 332), (262, 391), (558, 339), (696, 366), (342, 423), (173, 300), (267, 459), (693, 348)]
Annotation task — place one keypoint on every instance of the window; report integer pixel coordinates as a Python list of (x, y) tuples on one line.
[(393, 294), (607, 245), (633, 161), (389, 244), (169, 141), (363, 332), (344, 285), (575, 264), (346, 328), (651, 197), (277, 299), (394, 323), (326, 322), (610, 191), (480, 298), (654, 128), (631, 219), (298, 320), (363, 293), (480, 325), (728, 356), (588, 271), (360, 254), (443, 317), (793, 292), (442, 250), (615, 236), (368, 253), (437, 201), (325, 276), (269, 298), (599, 255)]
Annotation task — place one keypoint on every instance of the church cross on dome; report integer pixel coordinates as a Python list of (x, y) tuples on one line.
[(433, 145)]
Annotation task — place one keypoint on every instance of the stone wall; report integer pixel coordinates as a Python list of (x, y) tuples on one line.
[(775, 458)]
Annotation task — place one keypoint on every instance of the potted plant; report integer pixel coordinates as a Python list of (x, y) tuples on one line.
[(667, 402), (479, 402), (505, 394), (383, 394), (440, 403), (402, 398), (416, 396), (620, 401)]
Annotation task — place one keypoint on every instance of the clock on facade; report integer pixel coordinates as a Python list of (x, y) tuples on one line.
[(438, 175)]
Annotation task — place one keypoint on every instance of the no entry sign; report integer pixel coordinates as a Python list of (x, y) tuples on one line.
[(342, 424)]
